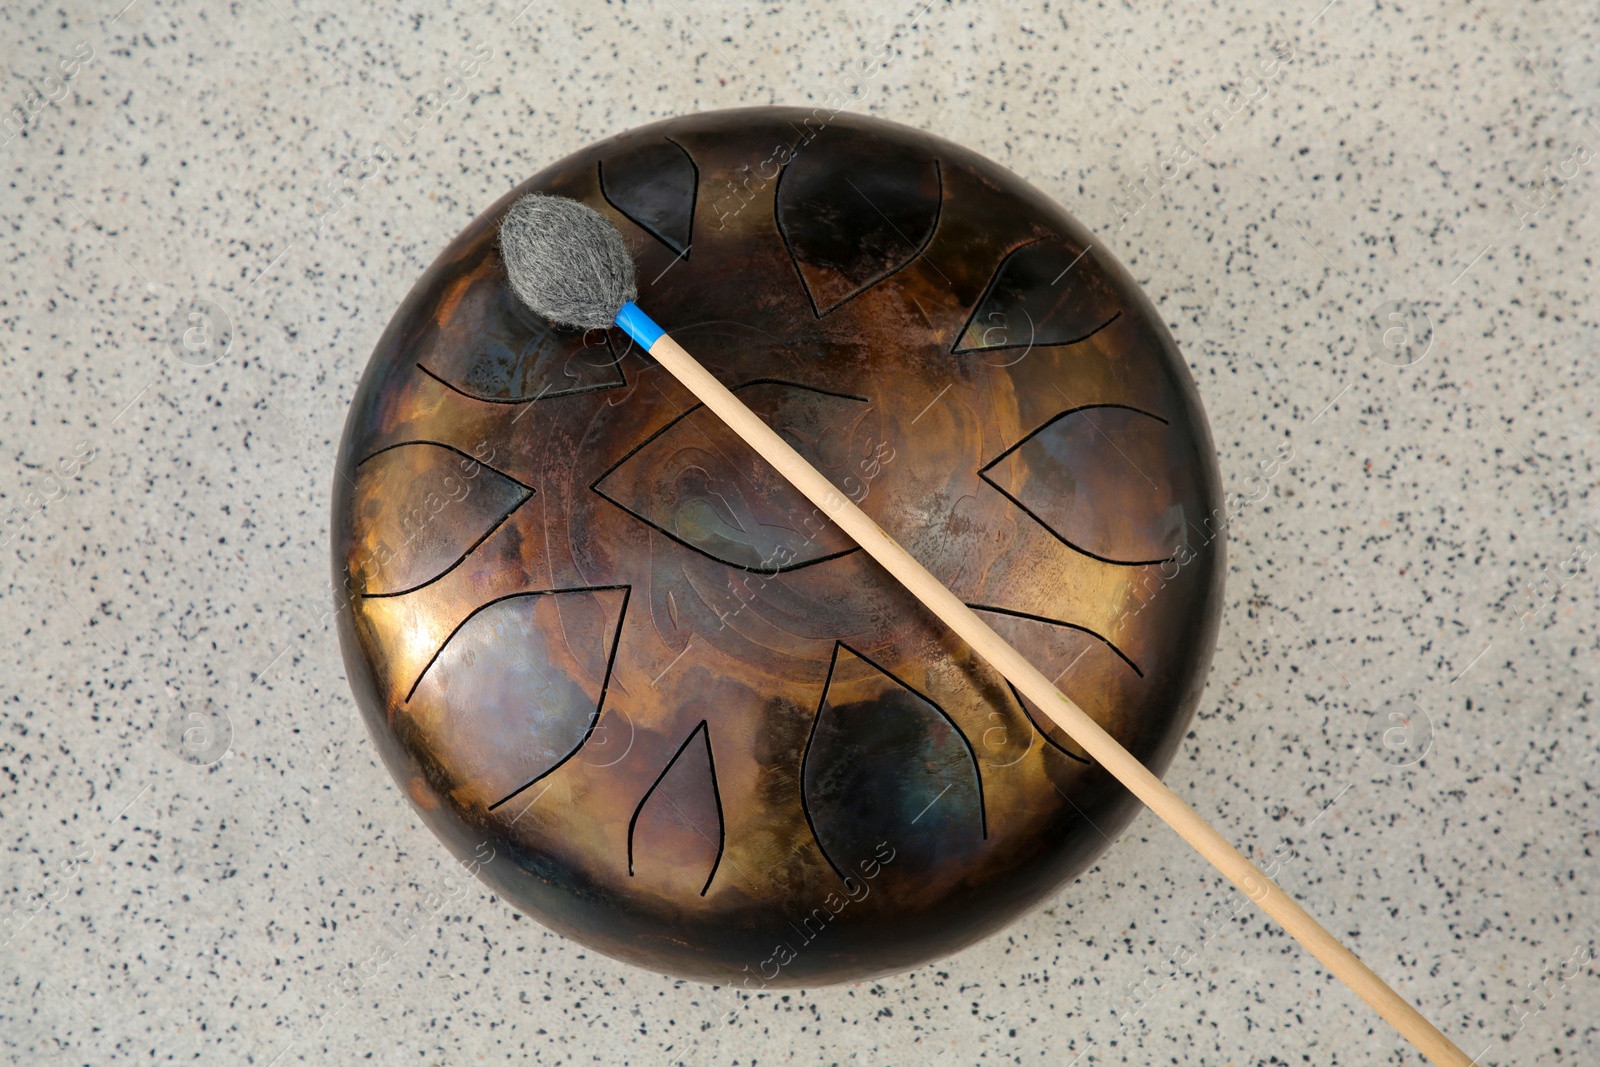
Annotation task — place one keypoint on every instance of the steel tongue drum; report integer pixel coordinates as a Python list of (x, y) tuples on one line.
[(663, 701)]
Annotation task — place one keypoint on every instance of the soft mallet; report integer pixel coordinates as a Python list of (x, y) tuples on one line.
[(570, 265)]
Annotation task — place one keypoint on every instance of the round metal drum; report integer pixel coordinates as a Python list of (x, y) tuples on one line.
[(644, 689)]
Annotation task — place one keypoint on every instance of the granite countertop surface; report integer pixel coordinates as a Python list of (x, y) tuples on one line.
[(1385, 258)]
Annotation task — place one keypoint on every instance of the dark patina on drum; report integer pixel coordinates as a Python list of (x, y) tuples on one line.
[(599, 641)]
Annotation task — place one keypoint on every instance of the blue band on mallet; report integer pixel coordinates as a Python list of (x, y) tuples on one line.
[(639, 326)]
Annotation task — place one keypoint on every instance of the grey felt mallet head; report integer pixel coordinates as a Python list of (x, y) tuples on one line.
[(566, 261)]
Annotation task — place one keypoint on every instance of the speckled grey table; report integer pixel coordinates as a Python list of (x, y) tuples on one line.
[(1372, 230)]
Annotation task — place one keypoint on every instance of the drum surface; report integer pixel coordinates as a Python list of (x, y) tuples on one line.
[(643, 687)]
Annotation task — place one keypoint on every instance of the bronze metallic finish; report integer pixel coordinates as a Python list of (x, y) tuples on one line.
[(598, 640)]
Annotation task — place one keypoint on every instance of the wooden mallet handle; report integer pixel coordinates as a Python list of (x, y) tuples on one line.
[(1085, 731)]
